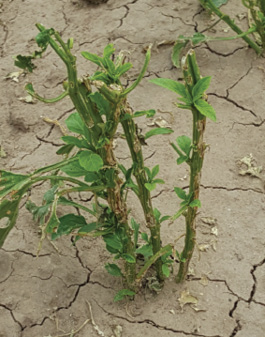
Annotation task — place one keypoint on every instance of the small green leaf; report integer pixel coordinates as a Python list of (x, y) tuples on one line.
[(164, 218), (158, 181), (102, 104), (74, 169), (200, 87), (108, 50), (148, 113), (122, 293), (197, 38), (75, 124), (65, 149), (184, 143), (178, 47), (90, 227), (219, 3), (150, 186), (128, 258), (157, 214), (70, 222), (144, 236), (172, 85), (113, 241), (123, 69), (43, 38), (157, 131), (155, 171), (182, 159), (25, 62), (145, 250), (195, 203), (165, 270), (113, 269), (80, 143), (205, 109), (90, 161), (180, 193), (92, 57)]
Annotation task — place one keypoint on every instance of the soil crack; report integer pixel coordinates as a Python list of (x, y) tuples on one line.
[(254, 288), (150, 322), (13, 317), (233, 189)]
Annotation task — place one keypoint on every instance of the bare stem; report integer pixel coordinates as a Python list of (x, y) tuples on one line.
[(192, 76)]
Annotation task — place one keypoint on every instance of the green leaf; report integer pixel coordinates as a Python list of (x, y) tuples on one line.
[(155, 171), (148, 113), (90, 161), (157, 214), (70, 222), (178, 46), (123, 68), (74, 169), (66, 202), (25, 62), (200, 87), (90, 227), (91, 177), (205, 109), (158, 181), (197, 38), (75, 123), (180, 193), (92, 57), (144, 236), (128, 258), (165, 270), (219, 3), (65, 149), (182, 159), (109, 66), (167, 83), (145, 250), (195, 203), (184, 142), (9, 209), (80, 143), (10, 182), (113, 241), (39, 212), (157, 131), (150, 186), (113, 269), (108, 50), (122, 293), (102, 104), (43, 38), (164, 218)]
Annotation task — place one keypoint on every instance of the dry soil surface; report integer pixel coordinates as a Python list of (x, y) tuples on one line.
[(50, 295)]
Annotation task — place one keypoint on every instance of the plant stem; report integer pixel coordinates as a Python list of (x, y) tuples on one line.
[(210, 5), (151, 261), (192, 75), (119, 208), (134, 144)]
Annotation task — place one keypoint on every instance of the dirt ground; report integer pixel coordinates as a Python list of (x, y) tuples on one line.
[(50, 295)]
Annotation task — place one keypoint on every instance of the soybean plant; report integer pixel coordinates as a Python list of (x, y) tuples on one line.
[(256, 10), (90, 165), (190, 151)]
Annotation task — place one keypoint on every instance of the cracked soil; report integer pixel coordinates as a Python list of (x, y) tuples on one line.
[(49, 295)]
